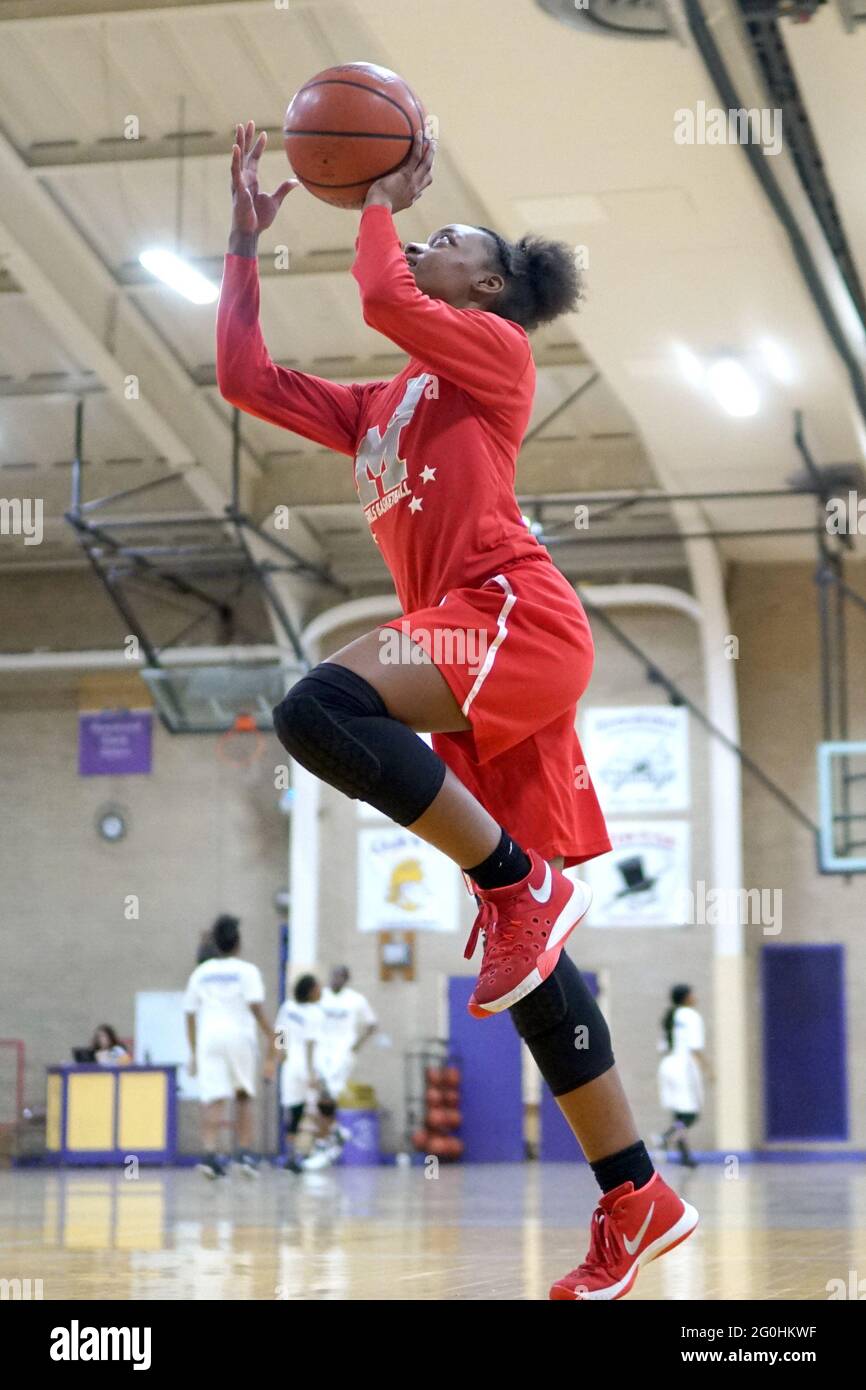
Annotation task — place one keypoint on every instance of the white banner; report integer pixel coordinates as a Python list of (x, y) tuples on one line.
[(404, 884), (644, 882), (638, 757)]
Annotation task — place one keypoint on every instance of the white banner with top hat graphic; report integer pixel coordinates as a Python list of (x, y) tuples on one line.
[(644, 882)]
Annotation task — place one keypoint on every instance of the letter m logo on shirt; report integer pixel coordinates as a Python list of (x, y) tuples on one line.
[(379, 454)]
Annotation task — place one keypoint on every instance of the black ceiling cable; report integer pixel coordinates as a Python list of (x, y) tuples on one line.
[(730, 100)]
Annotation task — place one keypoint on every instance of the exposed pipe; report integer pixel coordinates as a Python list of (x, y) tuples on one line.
[(22, 662)]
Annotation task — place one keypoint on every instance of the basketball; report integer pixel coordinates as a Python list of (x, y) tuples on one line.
[(347, 127)]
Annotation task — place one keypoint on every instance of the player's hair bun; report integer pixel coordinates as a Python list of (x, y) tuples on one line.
[(542, 279)]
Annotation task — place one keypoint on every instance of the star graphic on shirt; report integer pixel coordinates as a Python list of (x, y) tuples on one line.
[(428, 475), (416, 504)]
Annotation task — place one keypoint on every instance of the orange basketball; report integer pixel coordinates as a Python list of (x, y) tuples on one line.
[(435, 1076), (349, 126), (451, 1076), (419, 1140), (435, 1096), (453, 1147), (438, 1118)]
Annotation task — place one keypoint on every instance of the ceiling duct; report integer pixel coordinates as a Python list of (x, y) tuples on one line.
[(630, 19)]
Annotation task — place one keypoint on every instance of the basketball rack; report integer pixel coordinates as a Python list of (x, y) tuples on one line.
[(203, 565)]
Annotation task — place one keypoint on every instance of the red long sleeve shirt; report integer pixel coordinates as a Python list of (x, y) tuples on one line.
[(434, 448)]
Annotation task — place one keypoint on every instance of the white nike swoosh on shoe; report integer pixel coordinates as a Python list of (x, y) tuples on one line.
[(632, 1245), (542, 894)]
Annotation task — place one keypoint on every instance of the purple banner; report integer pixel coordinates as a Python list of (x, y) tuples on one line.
[(114, 743)]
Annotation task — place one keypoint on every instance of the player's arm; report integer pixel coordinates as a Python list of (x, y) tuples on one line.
[(478, 351), (261, 1018), (703, 1062), (247, 376), (362, 1037), (191, 1040), (310, 1050)]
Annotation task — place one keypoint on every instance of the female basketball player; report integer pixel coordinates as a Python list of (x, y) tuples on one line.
[(491, 655)]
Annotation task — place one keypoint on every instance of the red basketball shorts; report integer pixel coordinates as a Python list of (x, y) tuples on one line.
[(517, 654)]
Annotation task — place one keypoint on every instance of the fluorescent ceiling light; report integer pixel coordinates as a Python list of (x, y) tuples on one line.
[(732, 387), (777, 360), (179, 276), (690, 365)]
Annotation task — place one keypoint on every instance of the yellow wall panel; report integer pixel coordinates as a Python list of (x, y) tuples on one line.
[(90, 1111)]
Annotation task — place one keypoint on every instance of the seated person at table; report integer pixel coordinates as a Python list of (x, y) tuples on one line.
[(107, 1048)]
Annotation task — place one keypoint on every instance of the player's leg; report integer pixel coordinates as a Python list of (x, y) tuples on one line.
[(242, 1062), (292, 1116), (213, 1118), (214, 1089), (243, 1121), (406, 778), (639, 1215), (244, 1156), (685, 1120), (353, 721), (324, 1151)]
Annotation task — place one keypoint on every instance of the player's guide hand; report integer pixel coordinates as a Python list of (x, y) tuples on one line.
[(253, 211)]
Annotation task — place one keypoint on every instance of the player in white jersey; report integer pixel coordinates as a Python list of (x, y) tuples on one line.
[(347, 1022), (223, 1003), (298, 1031), (682, 1069)]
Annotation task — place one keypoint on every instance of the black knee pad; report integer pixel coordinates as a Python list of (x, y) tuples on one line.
[(327, 1108), (338, 727), (308, 724), (564, 1029)]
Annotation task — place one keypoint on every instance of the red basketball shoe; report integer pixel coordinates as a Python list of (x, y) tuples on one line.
[(629, 1229), (525, 927)]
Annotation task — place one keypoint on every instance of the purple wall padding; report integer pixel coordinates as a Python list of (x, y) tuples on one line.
[(558, 1144), (488, 1053), (805, 1072)]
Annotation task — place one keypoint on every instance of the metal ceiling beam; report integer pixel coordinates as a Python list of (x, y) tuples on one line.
[(378, 366), (34, 11), (56, 156), (76, 295)]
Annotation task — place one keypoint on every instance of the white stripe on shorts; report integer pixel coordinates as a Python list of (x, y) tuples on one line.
[(510, 600)]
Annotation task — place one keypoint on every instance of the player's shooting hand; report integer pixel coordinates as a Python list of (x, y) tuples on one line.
[(404, 187), (252, 210)]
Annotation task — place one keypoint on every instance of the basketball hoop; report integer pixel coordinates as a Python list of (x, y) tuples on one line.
[(242, 745)]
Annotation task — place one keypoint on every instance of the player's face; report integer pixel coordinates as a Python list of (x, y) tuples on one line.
[(454, 264)]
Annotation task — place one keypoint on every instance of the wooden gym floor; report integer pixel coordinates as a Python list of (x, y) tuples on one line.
[(777, 1231)]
